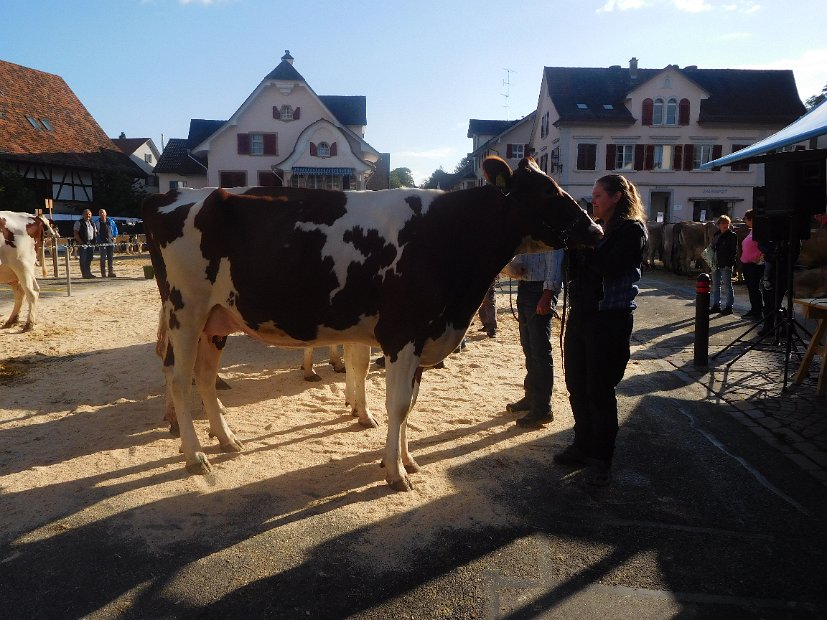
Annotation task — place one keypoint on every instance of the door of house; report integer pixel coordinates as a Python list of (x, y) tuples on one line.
[(659, 203)]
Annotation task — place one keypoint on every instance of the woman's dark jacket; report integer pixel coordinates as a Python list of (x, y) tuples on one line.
[(605, 278), (726, 247)]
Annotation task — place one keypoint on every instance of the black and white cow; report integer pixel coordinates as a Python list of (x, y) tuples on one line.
[(21, 236), (404, 270)]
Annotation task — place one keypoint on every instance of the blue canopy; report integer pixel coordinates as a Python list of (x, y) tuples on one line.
[(812, 124)]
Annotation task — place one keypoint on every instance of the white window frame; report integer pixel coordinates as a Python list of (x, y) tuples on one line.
[(701, 154), (256, 144), (624, 157), (671, 110), (323, 149), (148, 158), (663, 156), (657, 111), (286, 113), (517, 151)]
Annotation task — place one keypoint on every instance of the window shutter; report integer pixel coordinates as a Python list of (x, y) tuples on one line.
[(313, 149), (611, 154), (296, 114), (276, 112), (270, 144), (649, 157), (648, 108), (525, 150), (243, 144), (509, 151), (688, 152), (677, 163), (638, 157), (683, 112), (717, 151), (333, 150)]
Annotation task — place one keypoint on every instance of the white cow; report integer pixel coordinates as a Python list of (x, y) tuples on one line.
[(21, 236)]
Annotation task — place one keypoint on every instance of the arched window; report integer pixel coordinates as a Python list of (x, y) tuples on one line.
[(323, 149), (657, 112), (671, 112)]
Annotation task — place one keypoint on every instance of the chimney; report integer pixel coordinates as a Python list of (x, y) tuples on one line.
[(633, 68), (287, 57)]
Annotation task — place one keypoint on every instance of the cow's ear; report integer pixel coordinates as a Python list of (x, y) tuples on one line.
[(497, 172)]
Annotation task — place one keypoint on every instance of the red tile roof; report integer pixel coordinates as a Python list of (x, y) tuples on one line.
[(65, 133)]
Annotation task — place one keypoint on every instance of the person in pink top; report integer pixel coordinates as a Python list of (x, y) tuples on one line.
[(753, 264)]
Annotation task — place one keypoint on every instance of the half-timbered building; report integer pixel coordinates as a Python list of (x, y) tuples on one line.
[(49, 138)]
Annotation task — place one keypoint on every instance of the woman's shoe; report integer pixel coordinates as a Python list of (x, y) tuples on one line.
[(726, 311)]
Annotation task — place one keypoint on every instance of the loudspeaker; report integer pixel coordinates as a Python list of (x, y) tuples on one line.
[(794, 185)]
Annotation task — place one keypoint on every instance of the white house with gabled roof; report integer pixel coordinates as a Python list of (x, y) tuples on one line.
[(283, 134)]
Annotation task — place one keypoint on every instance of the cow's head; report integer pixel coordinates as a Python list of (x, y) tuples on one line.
[(547, 216)]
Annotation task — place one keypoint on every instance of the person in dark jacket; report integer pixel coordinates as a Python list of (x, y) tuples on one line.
[(725, 244), (602, 284)]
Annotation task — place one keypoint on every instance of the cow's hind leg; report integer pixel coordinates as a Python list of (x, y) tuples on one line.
[(32, 293), (411, 466), (357, 360), (401, 380), (18, 303), (307, 366), (206, 371), (336, 359)]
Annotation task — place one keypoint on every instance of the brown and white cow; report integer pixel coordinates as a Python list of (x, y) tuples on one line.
[(21, 235), (404, 270)]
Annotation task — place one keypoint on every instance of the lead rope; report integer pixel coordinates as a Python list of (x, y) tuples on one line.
[(565, 310)]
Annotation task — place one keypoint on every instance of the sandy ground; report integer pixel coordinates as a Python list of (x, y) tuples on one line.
[(82, 437)]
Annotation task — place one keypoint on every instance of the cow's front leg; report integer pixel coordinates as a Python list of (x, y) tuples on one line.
[(400, 381), (180, 355), (206, 371), (357, 361)]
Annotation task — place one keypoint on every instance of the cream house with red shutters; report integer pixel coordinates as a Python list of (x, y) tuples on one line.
[(657, 127), (283, 134)]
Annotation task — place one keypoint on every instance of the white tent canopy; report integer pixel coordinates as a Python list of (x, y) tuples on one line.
[(812, 124)]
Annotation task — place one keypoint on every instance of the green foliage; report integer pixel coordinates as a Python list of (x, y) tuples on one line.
[(15, 195), (117, 193), (465, 161), (816, 99), (401, 177), (435, 177)]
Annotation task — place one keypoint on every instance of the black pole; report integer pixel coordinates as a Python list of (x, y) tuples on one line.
[(702, 320)]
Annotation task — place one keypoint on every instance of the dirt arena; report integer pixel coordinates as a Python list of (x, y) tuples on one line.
[(81, 406)]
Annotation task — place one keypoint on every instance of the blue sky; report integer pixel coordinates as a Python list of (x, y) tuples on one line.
[(146, 67)]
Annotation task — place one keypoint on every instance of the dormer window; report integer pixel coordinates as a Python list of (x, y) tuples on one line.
[(323, 149), (47, 124), (582, 106), (608, 106), (286, 113), (34, 122)]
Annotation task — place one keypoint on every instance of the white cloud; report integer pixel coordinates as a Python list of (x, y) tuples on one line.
[(692, 6), (621, 5)]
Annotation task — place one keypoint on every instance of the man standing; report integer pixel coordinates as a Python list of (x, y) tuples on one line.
[(540, 279), (107, 231), (84, 232)]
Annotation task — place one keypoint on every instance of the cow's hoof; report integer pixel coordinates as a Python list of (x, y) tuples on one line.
[(312, 378), (404, 484), (28, 327), (201, 466), (412, 467), (174, 429), (338, 369), (8, 324), (233, 446), (368, 421)]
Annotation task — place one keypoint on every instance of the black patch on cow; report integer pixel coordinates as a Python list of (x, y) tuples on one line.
[(173, 322), (314, 206), (169, 358), (219, 342), (160, 230), (415, 203), (231, 299), (176, 298)]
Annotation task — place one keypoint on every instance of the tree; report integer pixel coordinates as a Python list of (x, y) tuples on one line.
[(433, 181), (15, 195), (116, 192), (465, 161), (401, 177), (816, 99)]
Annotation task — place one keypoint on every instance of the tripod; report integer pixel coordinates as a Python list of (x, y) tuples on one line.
[(781, 321)]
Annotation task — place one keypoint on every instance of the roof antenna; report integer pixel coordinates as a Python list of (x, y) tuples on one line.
[(507, 84)]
